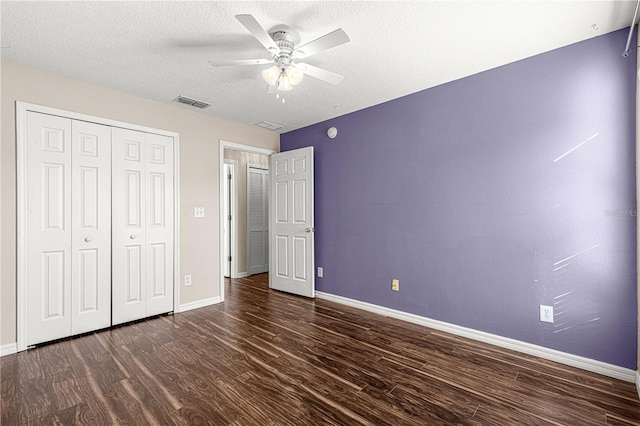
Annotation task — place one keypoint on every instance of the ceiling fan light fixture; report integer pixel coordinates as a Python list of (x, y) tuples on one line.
[(284, 83), (294, 75), (285, 79), (270, 75)]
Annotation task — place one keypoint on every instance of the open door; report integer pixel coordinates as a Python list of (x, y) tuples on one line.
[(291, 223)]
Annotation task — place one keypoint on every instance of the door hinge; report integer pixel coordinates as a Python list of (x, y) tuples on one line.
[(229, 176), (229, 258), (229, 218)]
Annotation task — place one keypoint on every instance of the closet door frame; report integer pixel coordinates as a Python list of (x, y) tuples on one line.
[(21, 215)]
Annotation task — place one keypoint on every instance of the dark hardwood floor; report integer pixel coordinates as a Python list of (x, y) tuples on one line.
[(268, 358)]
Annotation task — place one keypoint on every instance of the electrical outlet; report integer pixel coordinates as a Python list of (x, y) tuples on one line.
[(198, 212), (187, 280), (320, 271), (546, 313), (395, 285)]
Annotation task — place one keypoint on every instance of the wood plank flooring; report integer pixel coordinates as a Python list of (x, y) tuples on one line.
[(268, 358)]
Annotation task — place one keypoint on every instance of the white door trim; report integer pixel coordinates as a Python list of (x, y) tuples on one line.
[(233, 208), (21, 216), (240, 147)]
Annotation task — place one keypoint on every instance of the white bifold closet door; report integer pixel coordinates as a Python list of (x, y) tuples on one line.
[(68, 227), (142, 225), (257, 220)]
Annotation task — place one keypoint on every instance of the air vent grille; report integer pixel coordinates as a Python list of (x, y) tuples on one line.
[(191, 102), (267, 125)]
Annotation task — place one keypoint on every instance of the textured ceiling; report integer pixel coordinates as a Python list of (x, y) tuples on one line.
[(159, 50)]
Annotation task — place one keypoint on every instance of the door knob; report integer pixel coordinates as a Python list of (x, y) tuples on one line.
[(133, 237), (87, 240), (310, 230)]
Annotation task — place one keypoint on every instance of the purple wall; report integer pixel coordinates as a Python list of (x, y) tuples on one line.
[(462, 192)]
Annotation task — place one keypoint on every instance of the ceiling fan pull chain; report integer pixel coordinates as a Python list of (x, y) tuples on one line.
[(278, 88)]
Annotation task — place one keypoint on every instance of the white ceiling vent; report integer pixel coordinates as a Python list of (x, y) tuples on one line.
[(267, 125), (192, 102)]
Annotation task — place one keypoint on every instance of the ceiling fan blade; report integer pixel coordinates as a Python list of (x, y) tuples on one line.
[(240, 62), (327, 41), (259, 33), (319, 73)]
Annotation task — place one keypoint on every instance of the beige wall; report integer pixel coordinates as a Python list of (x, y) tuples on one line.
[(243, 159), (199, 174)]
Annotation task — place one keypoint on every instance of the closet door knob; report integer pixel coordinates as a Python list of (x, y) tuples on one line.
[(133, 237), (87, 240)]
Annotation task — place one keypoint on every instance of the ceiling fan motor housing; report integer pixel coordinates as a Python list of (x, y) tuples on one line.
[(284, 41)]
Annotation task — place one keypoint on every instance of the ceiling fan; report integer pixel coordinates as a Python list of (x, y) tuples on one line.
[(286, 71)]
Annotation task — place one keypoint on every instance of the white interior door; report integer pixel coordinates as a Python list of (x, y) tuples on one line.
[(91, 227), (128, 226), (142, 221), (257, 220), (159, 230), (292, 222), (68, 227), (48, 230)]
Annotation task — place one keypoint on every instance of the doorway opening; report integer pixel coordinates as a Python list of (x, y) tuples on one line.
[(235, 160)]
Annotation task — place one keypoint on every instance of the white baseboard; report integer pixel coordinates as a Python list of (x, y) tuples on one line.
[(199, 304), (8, 349), (12, 348), (638, 382), (239, 275), (583, 363)]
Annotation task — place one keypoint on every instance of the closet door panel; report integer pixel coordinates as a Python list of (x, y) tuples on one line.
[(257, 220), (133, 284), (128, 226), (48, 228), (91, 227), (159, 230), (142, 225)]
